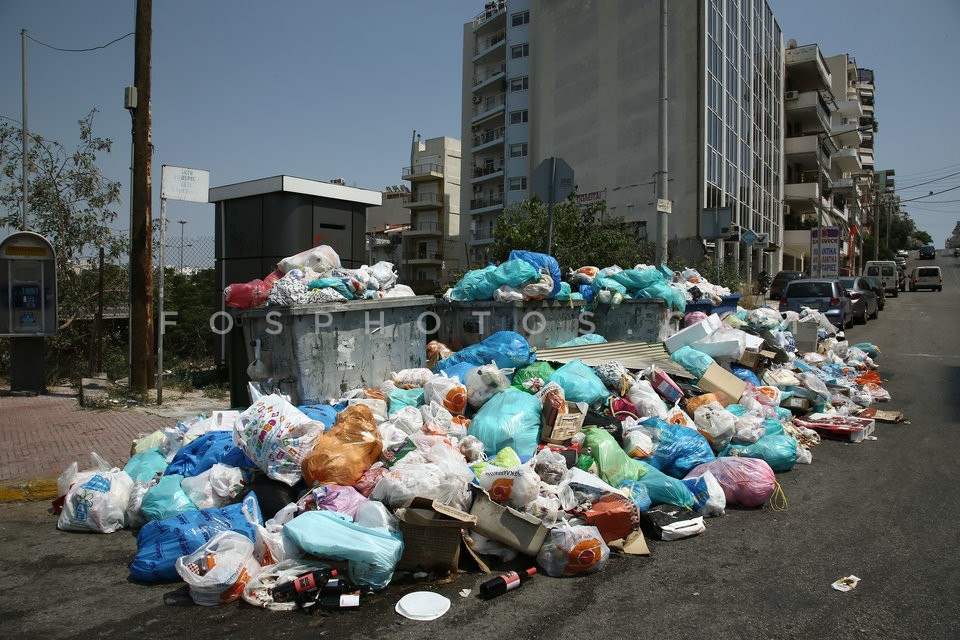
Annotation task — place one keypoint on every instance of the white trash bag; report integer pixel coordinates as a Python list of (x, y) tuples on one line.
[(97, 498), (220, 569)]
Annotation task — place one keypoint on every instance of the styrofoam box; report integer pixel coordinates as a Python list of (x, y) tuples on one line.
[(692, 333)]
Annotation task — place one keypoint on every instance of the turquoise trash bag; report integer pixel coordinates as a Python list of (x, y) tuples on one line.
[(371, 554), (580, 383), (587, 338), (510, 418), (166, 499), (515, 273), (477, 284), (336, 284), (695, 362), (636, 280), (777, 450), (146, 465), (400, 398)]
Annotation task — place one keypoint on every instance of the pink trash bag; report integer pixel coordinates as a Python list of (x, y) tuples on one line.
[(748, 482)]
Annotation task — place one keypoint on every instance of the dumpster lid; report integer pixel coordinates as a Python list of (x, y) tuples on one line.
[(633, 355)]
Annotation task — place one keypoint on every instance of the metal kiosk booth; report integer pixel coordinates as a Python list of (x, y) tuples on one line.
[(28, 306)]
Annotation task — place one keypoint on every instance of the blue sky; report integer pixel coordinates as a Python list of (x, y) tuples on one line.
[(248, 89)]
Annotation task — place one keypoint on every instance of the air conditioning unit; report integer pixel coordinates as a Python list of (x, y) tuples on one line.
[(477, 99), (791, 95)]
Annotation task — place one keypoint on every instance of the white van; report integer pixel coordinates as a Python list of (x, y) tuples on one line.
[(886, 272), (926, 278)]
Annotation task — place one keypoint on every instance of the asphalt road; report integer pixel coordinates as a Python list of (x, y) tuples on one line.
[(883, 510)]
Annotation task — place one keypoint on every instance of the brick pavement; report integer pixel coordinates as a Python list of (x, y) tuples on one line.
[(40, 436)]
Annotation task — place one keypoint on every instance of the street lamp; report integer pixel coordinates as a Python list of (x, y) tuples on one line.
[(182, 224)]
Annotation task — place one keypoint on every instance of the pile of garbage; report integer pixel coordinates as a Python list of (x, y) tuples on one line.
[(316, 276), (487, 450)]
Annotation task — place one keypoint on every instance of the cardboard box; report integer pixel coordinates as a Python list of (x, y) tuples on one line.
[(719, 379), (567, 425), (517, 530), (666, 387), (432, 534), (756, 361), (692, 333), (849, 428)]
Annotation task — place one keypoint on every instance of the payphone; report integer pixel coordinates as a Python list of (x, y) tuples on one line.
[(28, 286)]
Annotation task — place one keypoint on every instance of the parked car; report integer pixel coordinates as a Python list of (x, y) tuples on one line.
[(928, 252), (820, 294), (781, 279), (956, 252), (926, 278), (903, 253), (886, 270), (901, 261), (877, 287), (865, 305)]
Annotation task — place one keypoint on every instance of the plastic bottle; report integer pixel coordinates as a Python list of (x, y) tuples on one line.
[(503, 583), (302, 586)]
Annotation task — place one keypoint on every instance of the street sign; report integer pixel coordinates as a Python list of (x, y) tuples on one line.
[(825, 252), (715, 223), (552, 180), (180, 183), (749, 236), (664, 206)]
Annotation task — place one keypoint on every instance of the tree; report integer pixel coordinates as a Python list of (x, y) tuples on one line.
[(72, 204), (580, 237)]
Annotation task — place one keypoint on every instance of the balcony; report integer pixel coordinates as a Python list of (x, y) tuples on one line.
[(847, 160), (488, 139), (425, 229), (848, 135), (422, 257), (486, 46), (809, 109), (486, 203), (852, 109), (490, 14), (489, 75), (481, 236), (807, 68), (487, 172), (424, 201), (487, 107), (426, 171), (808, 150)]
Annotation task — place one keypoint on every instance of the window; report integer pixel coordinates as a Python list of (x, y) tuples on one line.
[(519, 84), (518, 184), (520, 19), (518, 150), (518, 117), (520, 51)]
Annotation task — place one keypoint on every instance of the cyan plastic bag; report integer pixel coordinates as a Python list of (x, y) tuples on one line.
[(477, 284), (638, 493), (510, 418), (508, 349), (166, 499), (777, 450), (400, 398), (606, 282), (204, 452), (636, 280), (543, 264), (325, 414), (332, 283), (371, 554), (146, 465), (564, 293), (515, 273), (679, 449), (696, 362), (673, 296), (161, 542), (587, 338), (580, 383)]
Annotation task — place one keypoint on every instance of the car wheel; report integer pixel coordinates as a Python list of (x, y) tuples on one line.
[(861, 319), (939, 289), (895, 293), (876, 313)]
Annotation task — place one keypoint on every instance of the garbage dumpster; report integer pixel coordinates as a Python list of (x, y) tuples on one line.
[(317, 352), (634, 320)]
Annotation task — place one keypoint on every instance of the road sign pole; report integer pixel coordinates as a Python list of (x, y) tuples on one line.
[(550, 201)]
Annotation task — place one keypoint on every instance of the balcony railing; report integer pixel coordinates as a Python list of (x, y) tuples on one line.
[(481, 234), (480, 78), (490, 11), (489, 104), (422, 255), (486, 170), (489, 136), (488, 201), (427, 167), (486, 44), (426, 198), (426, 226)]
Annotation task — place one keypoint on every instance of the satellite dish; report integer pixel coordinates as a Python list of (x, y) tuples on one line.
[(791, 44)]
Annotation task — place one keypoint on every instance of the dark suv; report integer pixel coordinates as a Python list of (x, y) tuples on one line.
[(780, 282), (929, 252)]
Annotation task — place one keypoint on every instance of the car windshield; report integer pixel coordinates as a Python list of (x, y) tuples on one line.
[(847, 283), (926, 272), (803, 289)]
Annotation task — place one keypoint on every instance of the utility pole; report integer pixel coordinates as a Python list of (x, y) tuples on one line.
[(26, 162), (182, 223), (876, 221), (662, 178), (141, 228)]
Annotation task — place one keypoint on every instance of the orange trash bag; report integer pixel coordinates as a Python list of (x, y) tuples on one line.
[(346, 451), (869, 376)]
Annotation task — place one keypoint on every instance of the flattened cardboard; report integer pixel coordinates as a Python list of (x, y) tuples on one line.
[(890, 417), (634, 544), (719, 379)]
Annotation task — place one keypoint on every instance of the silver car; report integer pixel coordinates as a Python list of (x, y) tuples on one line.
[(825, 295), (865, 304)]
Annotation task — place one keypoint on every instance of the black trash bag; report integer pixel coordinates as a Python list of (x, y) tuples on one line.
[(670, 522), (272, 495), (608, 423)]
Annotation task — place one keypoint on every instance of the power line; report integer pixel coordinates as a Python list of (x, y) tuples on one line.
[(931, 194), (103, 46), (920, 184)]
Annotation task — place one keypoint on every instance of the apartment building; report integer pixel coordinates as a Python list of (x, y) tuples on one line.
[(579, 81), (432, 249)]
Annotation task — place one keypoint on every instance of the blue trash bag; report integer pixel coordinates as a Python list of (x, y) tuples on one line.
[(543, 264), (586, 290), (146, 465), (638, 493), (696, 362), (215, 446), (371, 554), (400, 398), (515, 273), (460, 371), (698, 488), (636, 280), (587, 338), (580, 383), (679, 448), (477, 284), (166, 499), (161, 542), (508, 349), (746, 375), (510, 418), (671, 295), (325, 414), (777, 450), (332, 283), (565, 292)]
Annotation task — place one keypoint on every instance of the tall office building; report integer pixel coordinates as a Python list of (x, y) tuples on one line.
[(580, 81)]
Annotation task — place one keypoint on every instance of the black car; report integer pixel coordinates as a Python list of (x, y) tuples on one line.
[(877, 287), (780, 282), (928, 252)]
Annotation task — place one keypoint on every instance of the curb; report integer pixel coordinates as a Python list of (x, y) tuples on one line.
[(30, 491)]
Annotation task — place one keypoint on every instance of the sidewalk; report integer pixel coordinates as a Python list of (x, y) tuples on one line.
[(40, 436)]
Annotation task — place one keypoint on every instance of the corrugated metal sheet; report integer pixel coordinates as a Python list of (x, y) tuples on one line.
[(632, 355)]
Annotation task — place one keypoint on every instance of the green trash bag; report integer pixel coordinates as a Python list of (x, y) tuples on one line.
[(541, 370)]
